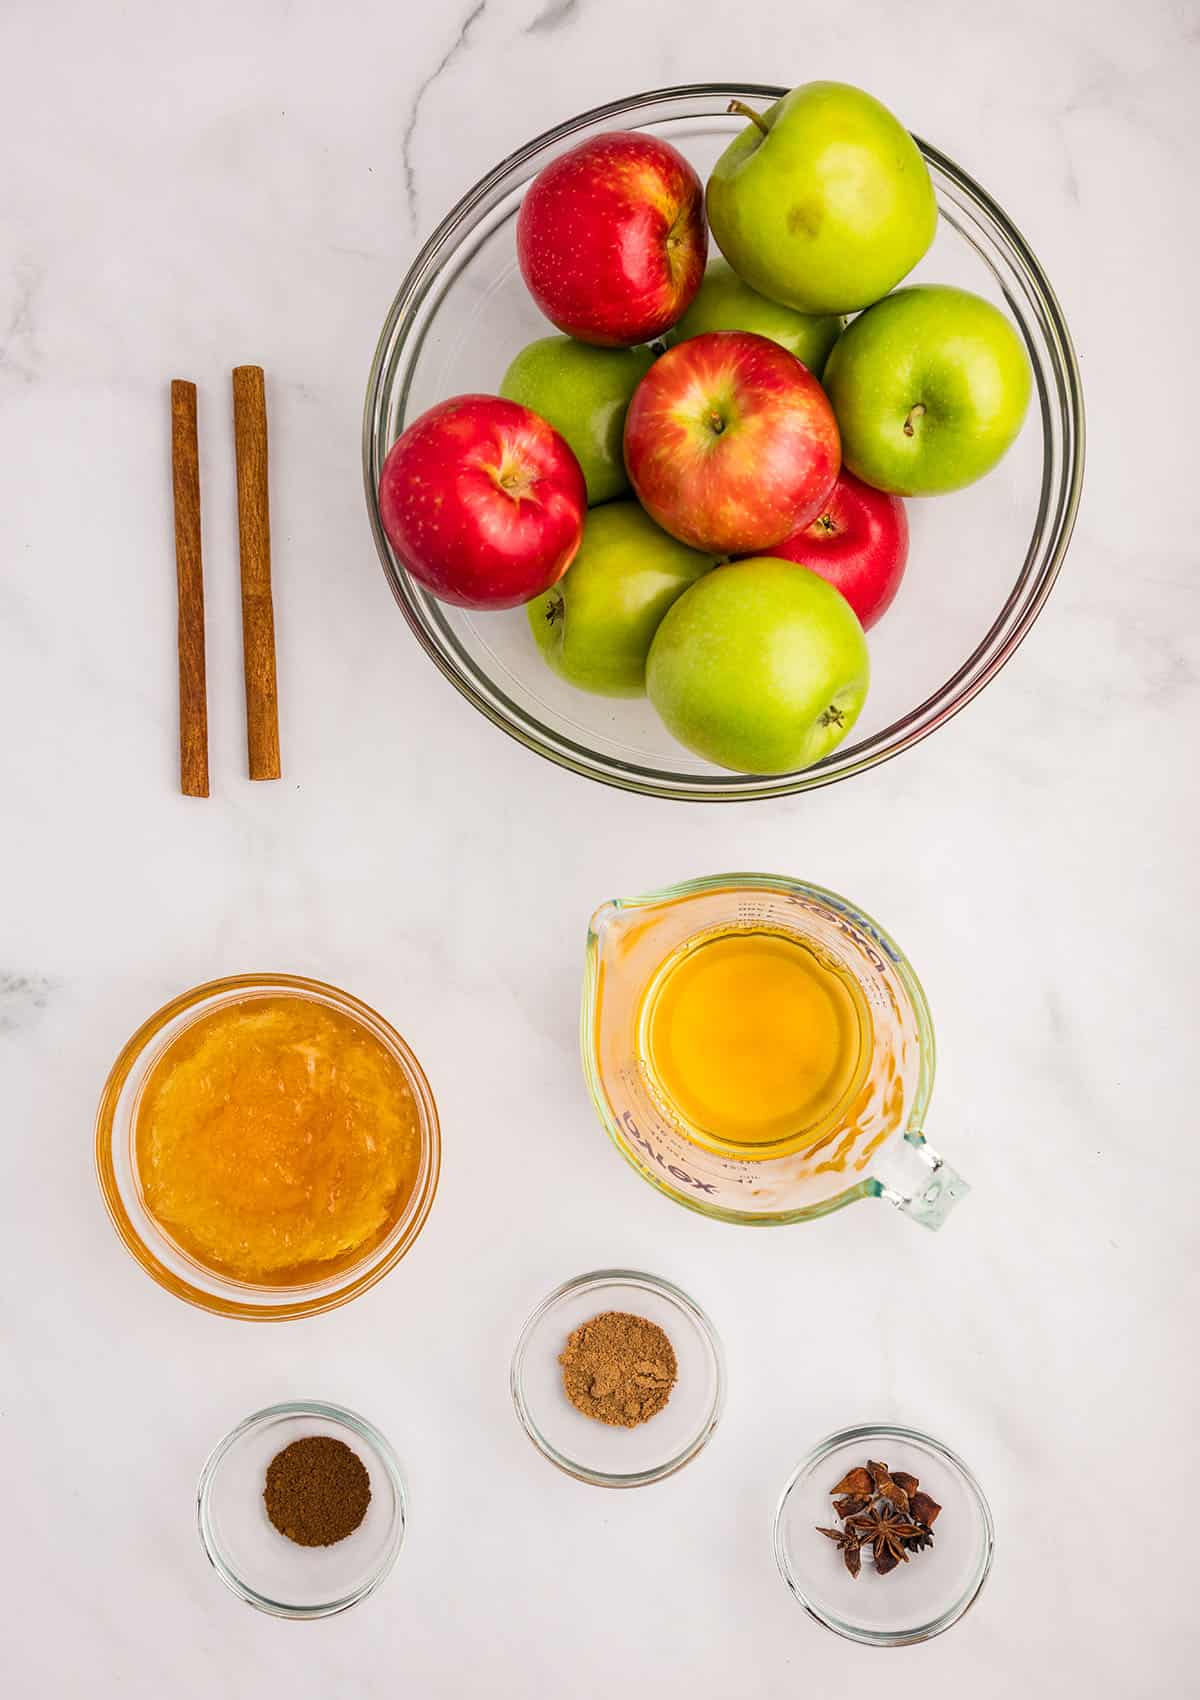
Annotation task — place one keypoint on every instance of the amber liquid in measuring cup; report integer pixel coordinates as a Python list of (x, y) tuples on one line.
[(751, 1040), (760, 1050)]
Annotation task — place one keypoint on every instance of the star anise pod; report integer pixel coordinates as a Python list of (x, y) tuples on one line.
[(851, 1505), (849, 1545), (922, 1539), (895, 1495), (886, 1532), (866, 1522), (924, 1509), (858, 1481), (887, 1487)]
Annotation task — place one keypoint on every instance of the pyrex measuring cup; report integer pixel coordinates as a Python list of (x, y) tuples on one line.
[(877, 1148)]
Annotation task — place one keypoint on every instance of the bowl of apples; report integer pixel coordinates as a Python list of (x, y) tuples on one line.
[(723, 442)]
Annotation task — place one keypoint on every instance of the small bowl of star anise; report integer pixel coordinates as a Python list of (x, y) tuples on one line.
[(884, 1535)]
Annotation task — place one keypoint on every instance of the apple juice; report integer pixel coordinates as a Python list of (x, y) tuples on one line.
[(751, 1039)]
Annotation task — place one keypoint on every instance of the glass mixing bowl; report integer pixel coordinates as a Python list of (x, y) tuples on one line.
[(982, 562), (142, 1236)]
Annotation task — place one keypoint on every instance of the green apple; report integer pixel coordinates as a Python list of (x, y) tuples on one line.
[(823, 202), (930, 388), (583, 392), (761, 667), (725, 303), (595, 625)]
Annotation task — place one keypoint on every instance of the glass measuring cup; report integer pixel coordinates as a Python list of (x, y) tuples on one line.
[(877, 1147)]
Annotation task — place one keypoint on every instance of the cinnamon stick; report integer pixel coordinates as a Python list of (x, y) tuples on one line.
[(189, 575), (254, 533)]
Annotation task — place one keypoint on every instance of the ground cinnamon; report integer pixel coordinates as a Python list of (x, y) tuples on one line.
[(619, 1369), (317, 1491)]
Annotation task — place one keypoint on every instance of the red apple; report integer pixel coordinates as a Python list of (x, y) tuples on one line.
[(859, 542), (483, 502), (611, 238), (730, 443)]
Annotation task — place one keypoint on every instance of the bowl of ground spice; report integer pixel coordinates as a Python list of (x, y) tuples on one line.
[(618, 1378), (301, 1509)]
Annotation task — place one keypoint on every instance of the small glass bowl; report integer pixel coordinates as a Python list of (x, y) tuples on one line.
[(247, 1551), (983, 560), (918, 1600), (173, 1268), (599, 1453)]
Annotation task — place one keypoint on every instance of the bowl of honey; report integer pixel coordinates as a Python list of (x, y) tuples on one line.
[(267, 1146)]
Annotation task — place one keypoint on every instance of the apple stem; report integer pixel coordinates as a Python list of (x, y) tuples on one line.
[(914, 412), (744, 111)]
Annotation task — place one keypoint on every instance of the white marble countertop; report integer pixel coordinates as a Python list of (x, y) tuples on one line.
[(187, 189)]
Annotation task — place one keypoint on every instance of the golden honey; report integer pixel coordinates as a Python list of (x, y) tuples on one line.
[(751, 1039), (277, 1139)]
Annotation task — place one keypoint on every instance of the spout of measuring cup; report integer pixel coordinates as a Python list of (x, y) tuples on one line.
[(918, 1181), (603, 918)]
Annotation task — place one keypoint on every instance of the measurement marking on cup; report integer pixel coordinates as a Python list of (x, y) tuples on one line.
[(639, 1138)]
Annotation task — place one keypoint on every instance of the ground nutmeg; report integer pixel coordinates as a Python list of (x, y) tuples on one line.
[(618, 1368), (317, 1491)]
